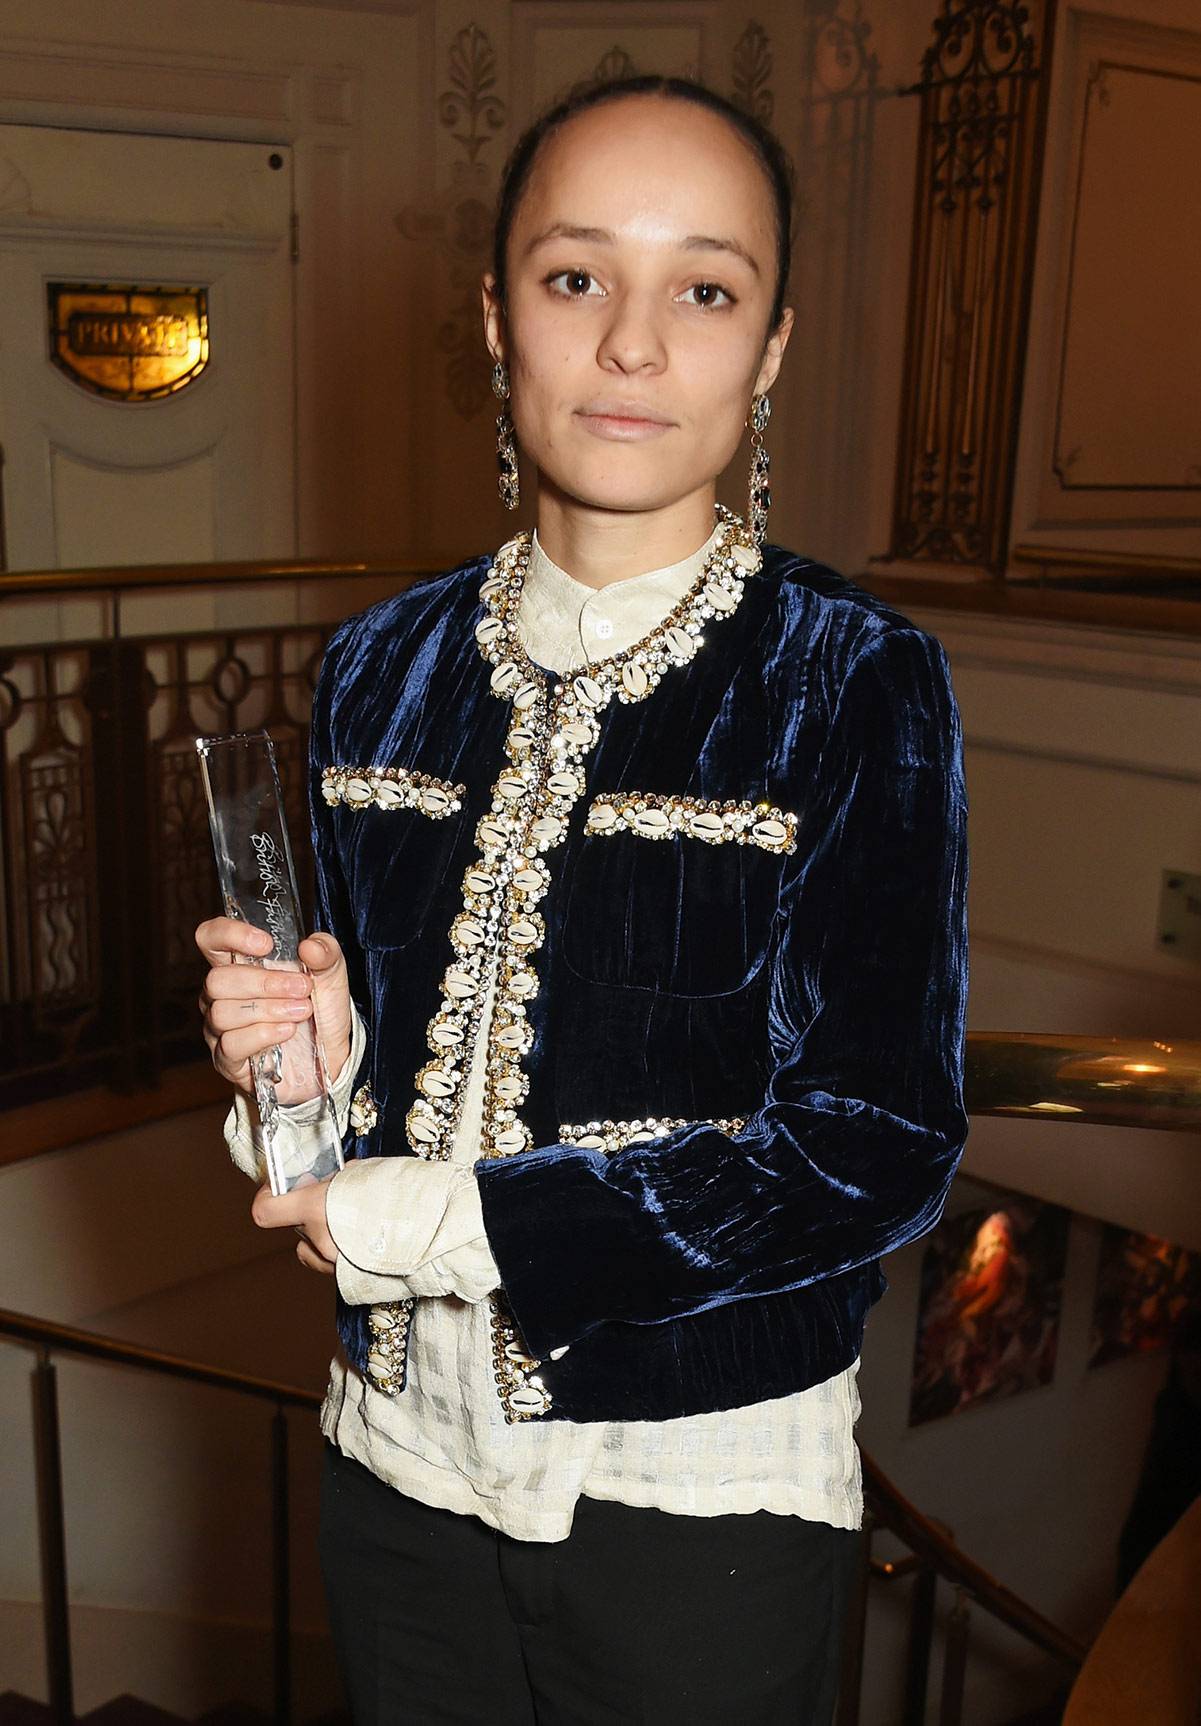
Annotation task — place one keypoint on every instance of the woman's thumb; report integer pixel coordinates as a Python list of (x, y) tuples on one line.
[(324, 952)]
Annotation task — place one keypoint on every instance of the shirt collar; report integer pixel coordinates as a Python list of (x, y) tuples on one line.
[(563, 623)]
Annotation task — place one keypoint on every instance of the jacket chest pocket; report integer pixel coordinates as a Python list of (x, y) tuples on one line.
[(399, 831), (675, 895)]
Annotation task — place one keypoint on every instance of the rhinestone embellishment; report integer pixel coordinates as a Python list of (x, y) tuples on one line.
[(391, 788), (363, 1113), (610, 1136), (669, 817), (387, 1356)]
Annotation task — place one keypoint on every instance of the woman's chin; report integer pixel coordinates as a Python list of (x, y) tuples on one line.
[(633, 494)]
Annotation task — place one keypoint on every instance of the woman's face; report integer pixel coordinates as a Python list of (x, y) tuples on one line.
[(642, 269)]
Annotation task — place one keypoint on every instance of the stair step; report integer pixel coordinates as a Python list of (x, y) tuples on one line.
[(129, 1711), (22, 1710)]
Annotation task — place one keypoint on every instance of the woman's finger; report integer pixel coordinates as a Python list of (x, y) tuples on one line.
[(234, 1048), (312, 1260), (219, 938), (246, 982), (225, 1016)]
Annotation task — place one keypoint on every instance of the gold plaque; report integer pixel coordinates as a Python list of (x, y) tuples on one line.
[(130, 344)]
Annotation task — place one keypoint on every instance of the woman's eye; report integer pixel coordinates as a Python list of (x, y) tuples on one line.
[(577, 284), (708, 294)]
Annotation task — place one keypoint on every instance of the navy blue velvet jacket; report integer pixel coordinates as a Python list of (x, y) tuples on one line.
[(818, 994)]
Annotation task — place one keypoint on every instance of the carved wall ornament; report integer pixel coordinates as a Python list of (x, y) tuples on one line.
[(458, 219), (471, 110), (752, 71), (838, 93), (983, 101), (616, 63), (840, 62)]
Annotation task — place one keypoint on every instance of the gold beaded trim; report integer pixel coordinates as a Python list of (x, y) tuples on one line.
[(391, 788), (364, 1114), (515, 1372), (552, 730), (387, 1356), (654, 817), (610, 1136)]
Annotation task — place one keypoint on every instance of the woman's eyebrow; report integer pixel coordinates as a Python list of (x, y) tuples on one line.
[(710, 243), (605, 237)]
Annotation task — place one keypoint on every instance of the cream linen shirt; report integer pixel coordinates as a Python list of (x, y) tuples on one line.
[(405, 1227)]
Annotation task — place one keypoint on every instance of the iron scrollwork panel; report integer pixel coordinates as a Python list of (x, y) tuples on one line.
[(982, 113), (107, 866)]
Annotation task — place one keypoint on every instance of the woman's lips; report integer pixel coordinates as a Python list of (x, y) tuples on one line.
[(623, 428)]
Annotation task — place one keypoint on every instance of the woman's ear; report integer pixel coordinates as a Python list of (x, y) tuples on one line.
[(773, 353), (494, 318)]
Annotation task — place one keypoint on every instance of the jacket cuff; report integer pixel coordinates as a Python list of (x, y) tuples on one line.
[(534, 1207)]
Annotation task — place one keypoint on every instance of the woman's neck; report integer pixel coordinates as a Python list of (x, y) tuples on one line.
[(599, 546)]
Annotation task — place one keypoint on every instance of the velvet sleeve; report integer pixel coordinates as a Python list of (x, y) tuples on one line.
[(332, 912), (861, 1126)]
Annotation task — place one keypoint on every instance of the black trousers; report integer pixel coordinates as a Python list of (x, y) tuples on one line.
[(637, 1617)]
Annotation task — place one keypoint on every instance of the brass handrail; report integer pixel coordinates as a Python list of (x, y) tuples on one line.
[(32, 582), (1106, 1081), (67, 1339), (1116, 565)]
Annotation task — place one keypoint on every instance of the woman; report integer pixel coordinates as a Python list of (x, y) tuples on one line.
[(692, 814)]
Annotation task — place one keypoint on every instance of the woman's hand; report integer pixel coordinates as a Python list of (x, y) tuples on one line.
[(247, 1009), (303, 1209)]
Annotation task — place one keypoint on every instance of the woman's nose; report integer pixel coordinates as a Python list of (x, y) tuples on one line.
[(633, 340)]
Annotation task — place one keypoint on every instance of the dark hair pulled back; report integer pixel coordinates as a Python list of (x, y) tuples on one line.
[(768, 150)]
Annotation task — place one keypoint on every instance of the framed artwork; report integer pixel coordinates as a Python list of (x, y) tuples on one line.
[(1145, 1286), (988, 1319)]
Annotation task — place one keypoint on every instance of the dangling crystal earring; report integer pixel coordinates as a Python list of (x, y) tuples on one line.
[(508, 481), (759, 500)]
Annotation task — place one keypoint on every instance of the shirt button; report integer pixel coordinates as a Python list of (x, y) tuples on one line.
[(379, 1244), (604, 627)]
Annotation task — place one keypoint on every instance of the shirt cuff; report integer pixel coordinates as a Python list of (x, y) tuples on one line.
[(244, 1138), (407, 1228), (243, 1130)]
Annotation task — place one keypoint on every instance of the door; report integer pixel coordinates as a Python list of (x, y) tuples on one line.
[(135, 249)]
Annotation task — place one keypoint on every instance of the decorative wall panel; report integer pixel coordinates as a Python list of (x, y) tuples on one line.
[(556, 47), (1129, 398), (456, 220), (830, 353)]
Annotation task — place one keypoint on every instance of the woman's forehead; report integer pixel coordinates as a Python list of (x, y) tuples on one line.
[(645, 168)]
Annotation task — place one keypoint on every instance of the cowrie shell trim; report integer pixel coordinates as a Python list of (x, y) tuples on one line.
[(652, 816), (391, 788), (610, 1136)]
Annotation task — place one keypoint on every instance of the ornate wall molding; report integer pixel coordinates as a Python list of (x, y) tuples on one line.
[(983, 107), (458, 219), (125, 80), (752, 73), (831, 353), (615, 64)]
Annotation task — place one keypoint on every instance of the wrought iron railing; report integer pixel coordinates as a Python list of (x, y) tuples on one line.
[(105, 867)]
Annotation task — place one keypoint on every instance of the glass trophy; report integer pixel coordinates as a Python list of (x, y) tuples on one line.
[(258, 886)]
